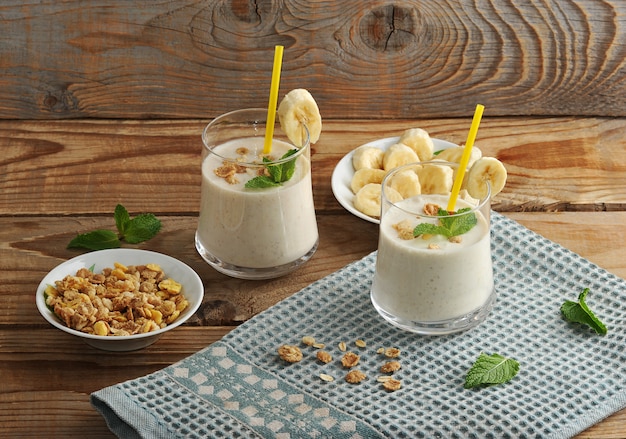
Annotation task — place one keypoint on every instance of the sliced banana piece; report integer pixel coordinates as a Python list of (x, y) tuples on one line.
[(436, 179), (454, 155), (486, 169), (464, 195), (419, 141), (397, 155), (365, 176), (367, 157), (368, 199), (406, 182), (297, 110)]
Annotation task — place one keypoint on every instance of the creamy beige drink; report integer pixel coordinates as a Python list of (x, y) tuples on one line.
[(255, 228), (432, 283)]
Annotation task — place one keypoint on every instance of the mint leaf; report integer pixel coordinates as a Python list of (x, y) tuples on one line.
[(141, 228), (430, 229), (96, 240), (133, 230), (491, 369), (579, 312), (262, 181), (449, 225), (284, 171), (459, 224), (121, 218), (279, 173)]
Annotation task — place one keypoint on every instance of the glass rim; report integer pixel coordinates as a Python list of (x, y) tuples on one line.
[(260, 118), (473, 208)]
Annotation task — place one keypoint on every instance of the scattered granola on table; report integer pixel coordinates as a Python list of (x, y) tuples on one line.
[(324, 357), (392, 384), (293, 354), (390, 367), (392, 352), (123, 300), (350, 359), (355, 377), (308, 340), (290, 353)]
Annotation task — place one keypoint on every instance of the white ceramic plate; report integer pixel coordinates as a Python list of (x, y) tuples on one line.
[(343, 173), (177, 270)]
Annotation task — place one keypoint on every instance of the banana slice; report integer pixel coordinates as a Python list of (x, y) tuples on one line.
[(406, 182), (486, 169), (419, 141), (364, 176), (454, 155), (436, 179), (297, 110), (368, 199), (464, 195), (398, 154), (367, 157)]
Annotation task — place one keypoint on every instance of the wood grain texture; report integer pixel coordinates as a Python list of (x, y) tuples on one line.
[(31, 247), (375, 59), (87, 167)]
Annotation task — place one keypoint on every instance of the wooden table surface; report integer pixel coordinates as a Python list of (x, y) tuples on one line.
[(567, 182)]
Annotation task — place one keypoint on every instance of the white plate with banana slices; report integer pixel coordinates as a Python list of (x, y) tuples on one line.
[(344, 171)]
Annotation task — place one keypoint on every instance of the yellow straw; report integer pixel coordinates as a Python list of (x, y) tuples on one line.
[(456, 187), (271, 107)]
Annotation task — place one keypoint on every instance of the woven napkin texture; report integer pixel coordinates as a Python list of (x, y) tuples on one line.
[(569, 378)]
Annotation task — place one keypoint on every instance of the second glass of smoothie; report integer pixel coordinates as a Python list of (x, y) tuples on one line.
[(432, 283), (257, 229)]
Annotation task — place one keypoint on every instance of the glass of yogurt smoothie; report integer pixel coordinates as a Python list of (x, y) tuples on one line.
[(257, 219), (433, 283)]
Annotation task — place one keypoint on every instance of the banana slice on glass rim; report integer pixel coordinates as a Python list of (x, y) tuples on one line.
[(297, 110), (485, 169)]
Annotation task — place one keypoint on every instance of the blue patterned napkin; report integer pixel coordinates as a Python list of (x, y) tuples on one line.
[(569, 378)]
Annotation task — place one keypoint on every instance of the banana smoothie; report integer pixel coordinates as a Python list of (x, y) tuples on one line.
[(255, 227), (432, 283)]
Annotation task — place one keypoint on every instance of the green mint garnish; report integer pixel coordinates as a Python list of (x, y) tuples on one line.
[(491, 369), (132, 230), (279, 173), (141, 228), (449, 226), (260, 182), (579, 312), (96, 240)]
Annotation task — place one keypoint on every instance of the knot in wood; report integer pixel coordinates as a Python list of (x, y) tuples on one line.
[(389, 28), (59, 101)]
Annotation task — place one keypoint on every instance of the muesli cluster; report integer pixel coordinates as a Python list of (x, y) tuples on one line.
[(123, 300), (230, 168), (349, 360)]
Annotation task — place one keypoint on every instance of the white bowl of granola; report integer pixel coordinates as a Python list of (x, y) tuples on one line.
[(119, 299)]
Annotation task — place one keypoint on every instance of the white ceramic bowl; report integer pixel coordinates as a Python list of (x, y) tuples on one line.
[(177, 270)]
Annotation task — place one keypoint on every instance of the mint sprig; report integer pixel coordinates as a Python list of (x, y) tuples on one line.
[(579, 312), (449, 225), (133, 230), (491, 369), (278, 173), (96, 240)]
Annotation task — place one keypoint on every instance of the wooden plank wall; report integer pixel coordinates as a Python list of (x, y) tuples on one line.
[(361, 59)]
